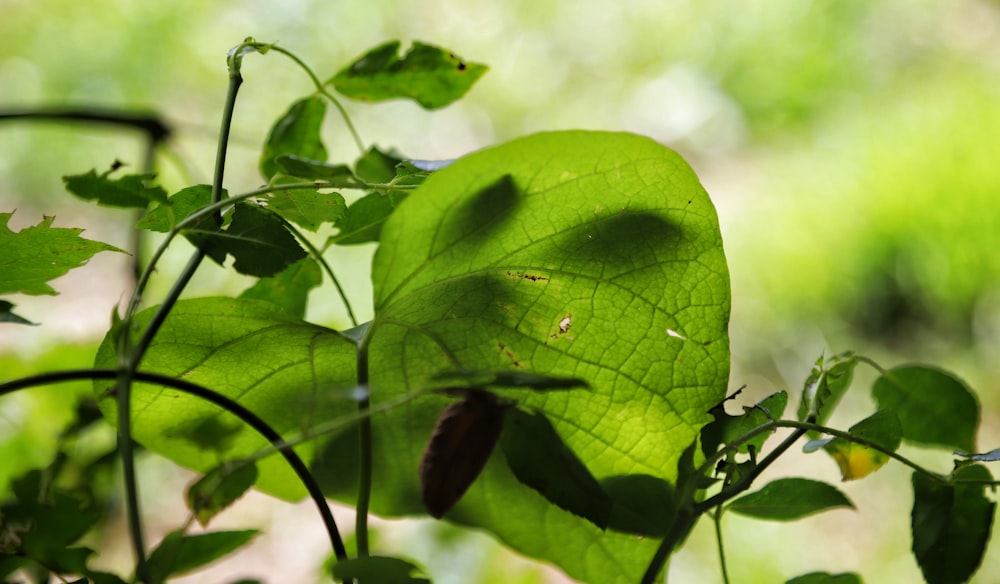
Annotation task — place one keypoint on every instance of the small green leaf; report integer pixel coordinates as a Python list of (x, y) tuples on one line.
[(933, 406), (826, 578), (790, 499), (35, 255), (364, 218), (641, 504), (427, 74), (7, 314), (184, 202), (299, 167), (290, 287), (308, 208), (219, 488), (951, 525), (828, 382), (538, 458), (297, 132), (379, 570), (179, 553), (129, 191), (260, 244)]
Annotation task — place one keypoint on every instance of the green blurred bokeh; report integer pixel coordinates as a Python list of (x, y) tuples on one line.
[(850, 147)]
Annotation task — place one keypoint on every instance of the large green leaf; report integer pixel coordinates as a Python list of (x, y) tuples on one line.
[(288, 372), (590, 255)]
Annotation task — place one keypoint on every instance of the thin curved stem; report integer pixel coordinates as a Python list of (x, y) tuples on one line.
[(806, 426), (318, 256), (130, 357), (718, 540), (322, 90), (247, 416)]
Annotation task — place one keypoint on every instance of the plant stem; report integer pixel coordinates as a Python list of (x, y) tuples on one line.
[(685, 519), (365, 452), (322, 90), (688, 515), (806, 426), (131, 357), (718, 540)]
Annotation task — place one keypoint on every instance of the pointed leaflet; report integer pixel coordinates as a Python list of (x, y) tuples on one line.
[(258, 241), (538, 458), (789, 499), (297, 132), (951, 525), (279, 367), (179, 553), (574, 254), (426, 74), (7, 314), (184, 202), (33, 256), (934, 407), (129, 191), (219, 488)]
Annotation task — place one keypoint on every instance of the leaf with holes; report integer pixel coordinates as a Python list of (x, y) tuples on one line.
[(429, 75), (572, 254)]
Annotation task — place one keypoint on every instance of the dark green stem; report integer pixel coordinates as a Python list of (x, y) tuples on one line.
[(129, 365), (247, 416), (365, 451), (718, 540), (683, 522), (806, 426), (688, 515)]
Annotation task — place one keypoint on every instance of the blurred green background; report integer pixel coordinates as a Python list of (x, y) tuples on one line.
[(850, 147)]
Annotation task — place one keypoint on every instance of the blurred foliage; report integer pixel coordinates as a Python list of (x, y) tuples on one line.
[(848, 145)]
